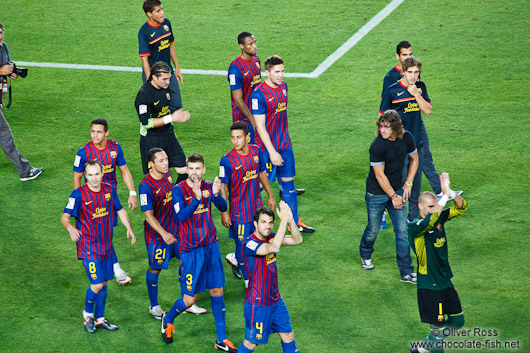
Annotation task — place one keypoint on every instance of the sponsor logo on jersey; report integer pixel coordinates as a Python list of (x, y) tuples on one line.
[(164, 44), (252, 245), (251, 174), (176, 207), (143, 199), (221, 171), (232, 79), (270, 258), (156, 103), (400, 93), (256, 80), (108, 168), (412, 107), (254, 103), (88, 203), (153, 34), (142, 109), (157, 191), (201, 209), (168, 197), (188, 198), (77, 160), (246, 73), (281, 107), (100, 212), (439, 242), (239, 166)]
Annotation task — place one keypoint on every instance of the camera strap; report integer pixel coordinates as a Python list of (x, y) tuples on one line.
[(6, 88)]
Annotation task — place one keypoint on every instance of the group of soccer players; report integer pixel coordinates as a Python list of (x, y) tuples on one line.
[(178, 217)]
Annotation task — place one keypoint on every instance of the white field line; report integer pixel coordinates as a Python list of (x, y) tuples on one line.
[(326, 64)]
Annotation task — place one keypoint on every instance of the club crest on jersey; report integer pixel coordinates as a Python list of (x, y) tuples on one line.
[(170, 178), (440, 318), (113, 154), (166, 27), (94, 276), (107, 196), (168, 96), (205, 193), (160, 262), (439, 226), (256, 159), (257, 64), (258, 336), (284, 93), (420, 91)]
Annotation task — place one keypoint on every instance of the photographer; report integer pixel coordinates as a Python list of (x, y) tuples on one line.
[(25, 169)]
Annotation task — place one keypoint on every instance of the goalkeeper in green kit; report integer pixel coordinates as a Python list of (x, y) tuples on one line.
[(437, 298)]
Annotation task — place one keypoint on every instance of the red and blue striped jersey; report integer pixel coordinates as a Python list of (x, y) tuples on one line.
[(194, 218), (273, 103), (263, 275), (244, 75), (241, 174), (111, 157), (156, 196), (397, 97), (94, 213), (155, 42)]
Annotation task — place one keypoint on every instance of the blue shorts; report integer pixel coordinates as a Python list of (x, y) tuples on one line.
[(202, 268), (240, 231), (287, 170), (99, 271), (159, 255), (262, 321)]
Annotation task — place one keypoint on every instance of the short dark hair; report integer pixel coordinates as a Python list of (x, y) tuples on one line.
[(100, 121), (94, 162), (404, 44), (195, 158), (239, 125), (149, 5), (241, 37), (409, 62), (152, 152), (392, 117), (263, 210), (1, 26), (272, 61)]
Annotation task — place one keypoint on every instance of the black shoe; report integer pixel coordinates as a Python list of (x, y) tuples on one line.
[(33, 173), (232, 261), (225, 346), (298, 192), (167, 330), (105, 324), (89, 324)]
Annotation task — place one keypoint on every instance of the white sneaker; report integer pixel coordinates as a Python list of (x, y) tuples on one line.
[(367, 264), (156, 311), (122, 278), (194, 309), (231, 258)]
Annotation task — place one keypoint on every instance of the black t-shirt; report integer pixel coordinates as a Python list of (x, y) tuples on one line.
[(392, 155), (153, 103)]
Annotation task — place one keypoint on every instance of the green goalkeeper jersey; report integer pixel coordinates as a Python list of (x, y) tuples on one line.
[(427, 239)]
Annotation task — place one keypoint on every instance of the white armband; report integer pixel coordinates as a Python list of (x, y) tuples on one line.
[(167, 119), (443, 200)]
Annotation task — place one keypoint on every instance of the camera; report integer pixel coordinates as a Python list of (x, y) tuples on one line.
[(20, 71)]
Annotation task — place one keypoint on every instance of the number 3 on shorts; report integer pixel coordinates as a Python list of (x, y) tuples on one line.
[(189, 279)]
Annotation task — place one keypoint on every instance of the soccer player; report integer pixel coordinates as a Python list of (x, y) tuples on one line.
[(155, 41), (202, 265), (385, 189), (94, 206), (269, 107), (159, 226), (241, 171), (265, 310), (156, 120), (403, 51), (110, 155), (244, 75), (437, 296), (409, 98)]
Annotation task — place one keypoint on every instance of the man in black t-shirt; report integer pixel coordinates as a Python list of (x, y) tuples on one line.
[(385, 189), (156, 120)]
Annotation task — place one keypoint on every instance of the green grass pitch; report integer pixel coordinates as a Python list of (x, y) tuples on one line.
[(475, 62)]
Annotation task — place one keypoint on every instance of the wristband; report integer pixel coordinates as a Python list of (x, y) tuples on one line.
[(394, 196), (452, 194), (132, 193), (167, 119), (443, 200)]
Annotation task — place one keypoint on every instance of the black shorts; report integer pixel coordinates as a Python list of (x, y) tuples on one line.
[(434, 304), (167, 142)]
